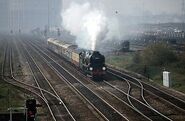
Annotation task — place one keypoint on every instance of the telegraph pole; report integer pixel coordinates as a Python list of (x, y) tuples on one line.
[(143, 11), (183, 11), (48, 18), (19, 16)]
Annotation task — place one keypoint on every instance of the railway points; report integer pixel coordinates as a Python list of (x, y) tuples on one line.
[(118, 97)]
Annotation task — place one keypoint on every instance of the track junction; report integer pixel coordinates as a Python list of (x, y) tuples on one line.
[(69, 95)]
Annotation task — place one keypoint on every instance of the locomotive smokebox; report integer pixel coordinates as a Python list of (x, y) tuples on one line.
[(97, 58)]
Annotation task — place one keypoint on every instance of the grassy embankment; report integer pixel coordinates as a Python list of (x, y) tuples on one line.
[(126, 61), (9, 95)]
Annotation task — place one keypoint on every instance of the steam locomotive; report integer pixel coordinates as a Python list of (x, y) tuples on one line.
[(92, 63)]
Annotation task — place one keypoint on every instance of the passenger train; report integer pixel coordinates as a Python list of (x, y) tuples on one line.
[(92, 63)]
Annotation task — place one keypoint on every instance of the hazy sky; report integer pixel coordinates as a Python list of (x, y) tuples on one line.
[(35, 11), (160, 6), (128, 7)]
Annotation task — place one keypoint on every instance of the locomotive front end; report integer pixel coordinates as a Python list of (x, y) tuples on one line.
[(97, 66)]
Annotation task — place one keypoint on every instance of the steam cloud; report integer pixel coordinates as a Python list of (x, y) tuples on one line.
[(89, 24)]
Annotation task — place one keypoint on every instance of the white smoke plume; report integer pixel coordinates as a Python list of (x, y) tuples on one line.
[(87, 23)]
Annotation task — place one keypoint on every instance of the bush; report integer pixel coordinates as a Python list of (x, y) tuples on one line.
[(137, 58), (179, 66), (158, 54)]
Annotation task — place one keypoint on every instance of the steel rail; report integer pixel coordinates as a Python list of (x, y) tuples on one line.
[(54, 62), (129, 96), (58, 97), (15, 84), (176, 102), (49, 108), (147, 105)]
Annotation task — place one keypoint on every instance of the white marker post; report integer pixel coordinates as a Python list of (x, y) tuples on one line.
[(166, 79)]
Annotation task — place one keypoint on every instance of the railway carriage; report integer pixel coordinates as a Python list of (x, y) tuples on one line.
[(92, 63), (76, 56), (61, 48)]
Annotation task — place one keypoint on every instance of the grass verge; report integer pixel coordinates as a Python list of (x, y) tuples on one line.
[(125, 61), (10, 97)]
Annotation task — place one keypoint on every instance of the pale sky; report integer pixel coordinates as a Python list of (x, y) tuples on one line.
[(168, 6), (126, 7)]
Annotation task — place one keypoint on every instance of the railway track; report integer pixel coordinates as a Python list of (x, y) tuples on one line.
[(140, 105), (100, 105), (120, 106), (170, 101), (58, 108), (139, 84), (160, 104), (80, 109), (146, 110), (177, 102), (7, 76)]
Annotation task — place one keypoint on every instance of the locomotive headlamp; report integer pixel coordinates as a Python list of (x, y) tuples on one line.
[(104, 68), (91, 68)]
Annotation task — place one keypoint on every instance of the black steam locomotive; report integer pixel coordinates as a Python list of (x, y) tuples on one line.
[(92, 63)]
